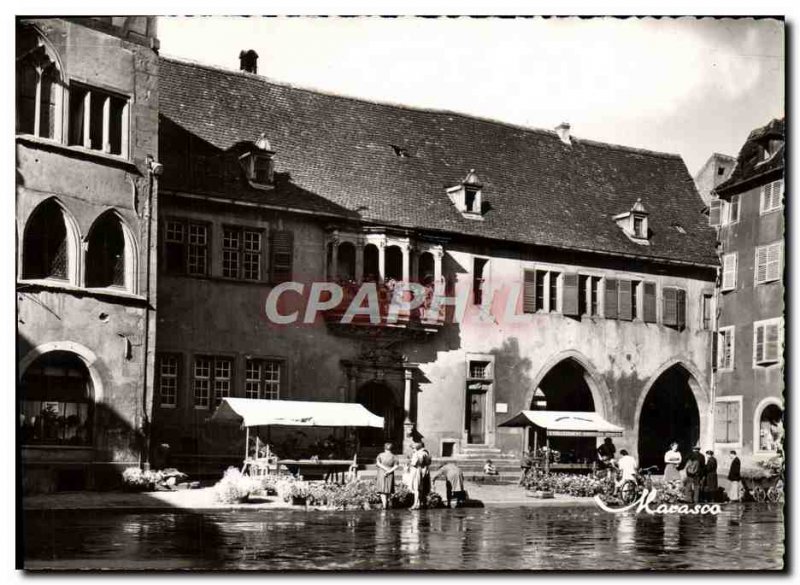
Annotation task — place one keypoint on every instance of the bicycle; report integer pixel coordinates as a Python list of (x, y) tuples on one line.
[(631, 489)]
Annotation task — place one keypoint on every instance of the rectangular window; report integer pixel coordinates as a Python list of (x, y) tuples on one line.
[(594, 295), (707, 312), (553, 306), (201, 382), (769, 262), (186, 247), (733, 209), (767, 342), (222, 379), (281, 256), (479, 370), (98, 120), (541, 276), (262, 379), (725, 345), (168, 380), (583, 294), (772, 196), (674, 309), (611, 299), (714, 212), (649, 302), (727, 418), (729, 263), (477, 280), (570, 304), (241, 253), (208, 372)]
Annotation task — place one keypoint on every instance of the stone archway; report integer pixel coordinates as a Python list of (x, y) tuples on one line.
[(568, 382), (673, 406)]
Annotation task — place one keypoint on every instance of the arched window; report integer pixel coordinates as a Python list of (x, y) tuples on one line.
[(770, 428), (105, 258), (57, 401), (346, 261), (39, 86), (44, 248)]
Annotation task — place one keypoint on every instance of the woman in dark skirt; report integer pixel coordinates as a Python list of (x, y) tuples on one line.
[(387, 464)]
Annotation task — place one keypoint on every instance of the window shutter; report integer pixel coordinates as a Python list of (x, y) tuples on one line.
[(773, 269), (761, 264), (759, 343), (611, 299), (529, 292), (733, 209), (720, 422), (680, 303), (569, 300), (729, 271), (733, 422), (714, 212), (281, 256), (649, 302), (625, 308), (771, 347), (670, 309)]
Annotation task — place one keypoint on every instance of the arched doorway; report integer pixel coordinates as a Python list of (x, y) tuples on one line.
[(371, 263), (566, 388), (57, 401), (669, 413), (394, 263), (346, 259), (380, 399)]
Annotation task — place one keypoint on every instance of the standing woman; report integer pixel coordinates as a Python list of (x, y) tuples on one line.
[(672, 459), (420, 478), (387, 464)]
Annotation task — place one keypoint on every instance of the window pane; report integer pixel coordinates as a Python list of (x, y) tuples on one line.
[(76, 105)]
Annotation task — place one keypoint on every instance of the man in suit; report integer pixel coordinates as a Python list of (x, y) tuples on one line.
[(735, 477)]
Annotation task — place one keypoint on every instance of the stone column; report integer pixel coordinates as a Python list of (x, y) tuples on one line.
[(360, 260), (381, 261), (334, 269), (406, 250), (408, 426), (437, 270)]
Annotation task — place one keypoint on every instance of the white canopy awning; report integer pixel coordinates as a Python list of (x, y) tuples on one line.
[(560, 423), (250, 412)]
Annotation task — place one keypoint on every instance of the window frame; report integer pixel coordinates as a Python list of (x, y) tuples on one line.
[(176, 377), (764, 323), (76, 85), (757, 412), (763, 210), (723, 335), (185, 224), (730, 286), (729, 219), (241, 251), (262, 380), (730, 445), (212, 378), (767, 247)]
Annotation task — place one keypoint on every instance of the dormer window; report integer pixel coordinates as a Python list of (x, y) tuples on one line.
[(258, 163), (771, 146), (467, 196), (634, 223)]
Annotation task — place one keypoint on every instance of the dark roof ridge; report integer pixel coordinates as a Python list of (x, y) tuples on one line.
[(552, 133)]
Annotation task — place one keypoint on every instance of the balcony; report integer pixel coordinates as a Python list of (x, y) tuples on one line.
[(385, 308)]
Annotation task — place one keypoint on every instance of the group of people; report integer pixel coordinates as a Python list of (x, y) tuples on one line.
[(419, 477)]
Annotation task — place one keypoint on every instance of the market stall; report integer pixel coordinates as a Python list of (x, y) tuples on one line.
[(254, 414), (559, 423)]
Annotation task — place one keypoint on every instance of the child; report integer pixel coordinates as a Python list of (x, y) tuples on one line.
[(489, 468)]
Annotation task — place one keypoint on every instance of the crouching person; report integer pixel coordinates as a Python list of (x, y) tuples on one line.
[(454, 483)]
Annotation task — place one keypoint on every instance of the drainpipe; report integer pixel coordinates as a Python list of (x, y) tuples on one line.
[(154, 170)]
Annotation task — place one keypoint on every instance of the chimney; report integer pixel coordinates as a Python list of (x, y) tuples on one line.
[(248, 61), (563, 132)]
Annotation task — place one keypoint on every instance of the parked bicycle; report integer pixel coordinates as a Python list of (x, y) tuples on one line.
[(631, 489)]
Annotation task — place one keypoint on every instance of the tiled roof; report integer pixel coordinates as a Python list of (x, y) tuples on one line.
[(392, 165), (750, 164)]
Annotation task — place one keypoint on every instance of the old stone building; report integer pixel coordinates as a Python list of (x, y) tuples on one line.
[(750, 364), (86, 139), (585, 272)]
